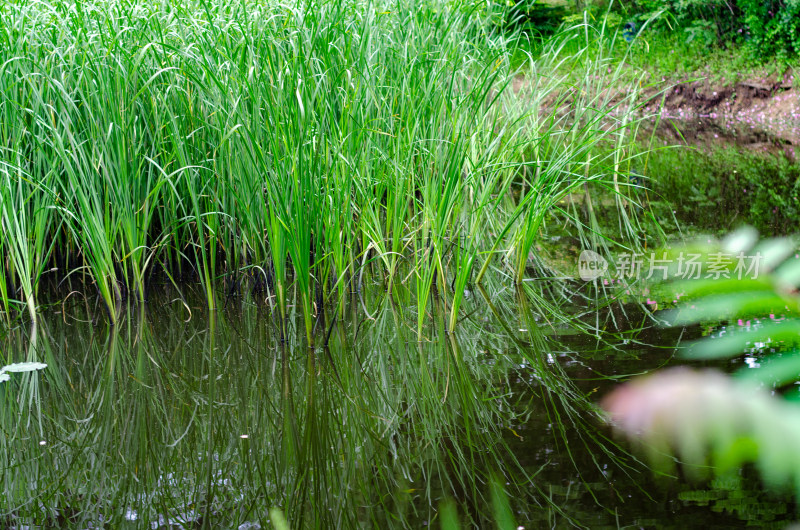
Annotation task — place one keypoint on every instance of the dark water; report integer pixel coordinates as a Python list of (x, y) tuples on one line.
[(714, 175), (180, 418)]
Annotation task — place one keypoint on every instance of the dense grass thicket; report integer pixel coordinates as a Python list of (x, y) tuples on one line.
[(287, 144)]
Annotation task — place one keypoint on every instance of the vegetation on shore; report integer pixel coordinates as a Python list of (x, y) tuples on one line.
[(277, 146)]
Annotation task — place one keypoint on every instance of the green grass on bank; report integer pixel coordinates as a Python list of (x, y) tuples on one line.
[(671, 57)]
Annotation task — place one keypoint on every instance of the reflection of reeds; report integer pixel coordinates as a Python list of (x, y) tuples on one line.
[(217, 421), (286, 145)]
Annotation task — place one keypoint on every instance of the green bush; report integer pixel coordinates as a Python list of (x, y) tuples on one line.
[(768, 28), (715, 17), (773, 25)]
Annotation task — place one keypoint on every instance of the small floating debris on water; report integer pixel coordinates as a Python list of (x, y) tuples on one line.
[(19, 368)]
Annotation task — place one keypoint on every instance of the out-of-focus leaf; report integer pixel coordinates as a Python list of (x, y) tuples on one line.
[(705, 287), (773, 252), (501, 508), (741, 240), (697, 414), (726, 306), (735, 342), (278, 519), (449, 516), (788, 273)]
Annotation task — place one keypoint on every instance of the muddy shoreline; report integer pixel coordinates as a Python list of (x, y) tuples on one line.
[(762, 113)]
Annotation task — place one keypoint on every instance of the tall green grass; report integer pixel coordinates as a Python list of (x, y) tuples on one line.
[(298, 146)]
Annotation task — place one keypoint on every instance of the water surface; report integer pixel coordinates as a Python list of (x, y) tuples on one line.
[(181, 418)]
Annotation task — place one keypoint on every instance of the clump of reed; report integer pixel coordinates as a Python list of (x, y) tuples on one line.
[(287, 145)]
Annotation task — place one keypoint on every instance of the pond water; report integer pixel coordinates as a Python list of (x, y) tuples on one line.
[(181, 418), (713, 175)]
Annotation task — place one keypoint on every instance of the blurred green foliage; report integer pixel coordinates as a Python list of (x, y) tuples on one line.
[(767, 28), (774, 26), (534, 18), (710, 420)]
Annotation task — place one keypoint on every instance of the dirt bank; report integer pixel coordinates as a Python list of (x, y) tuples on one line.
[(761, 114), (768, 110)]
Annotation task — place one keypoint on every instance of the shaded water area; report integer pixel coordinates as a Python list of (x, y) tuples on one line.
[(182, 418), (713, 175)]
